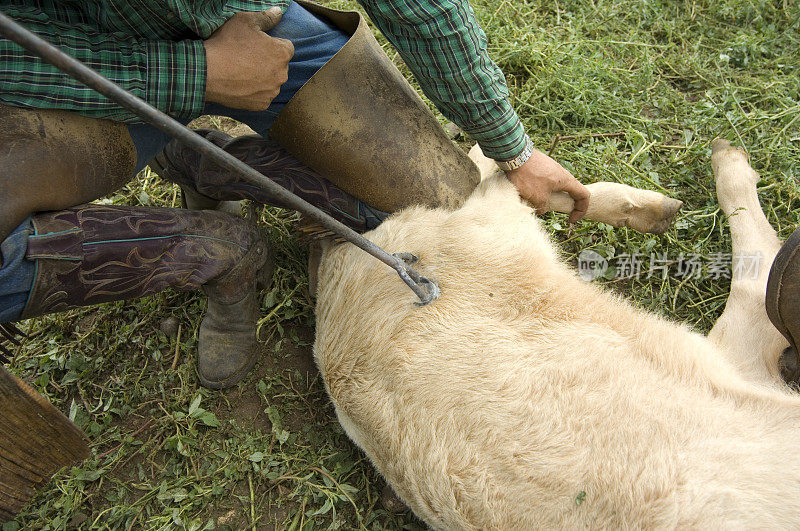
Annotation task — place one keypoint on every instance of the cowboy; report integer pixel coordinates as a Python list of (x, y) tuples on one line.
[(65, 145)]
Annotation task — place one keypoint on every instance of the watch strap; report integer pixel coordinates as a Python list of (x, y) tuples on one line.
[(519, 160)]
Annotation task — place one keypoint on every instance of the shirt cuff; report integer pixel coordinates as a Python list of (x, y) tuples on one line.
[(176, 77), (503, 139)]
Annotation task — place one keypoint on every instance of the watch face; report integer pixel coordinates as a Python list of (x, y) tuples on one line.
[(519, 160), (515, 163)]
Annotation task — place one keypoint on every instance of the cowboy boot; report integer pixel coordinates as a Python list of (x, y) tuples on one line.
[(194, 201), (208, 181), (783, 303), (92, 254)]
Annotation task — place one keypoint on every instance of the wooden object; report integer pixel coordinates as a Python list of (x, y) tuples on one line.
[(36, 440)]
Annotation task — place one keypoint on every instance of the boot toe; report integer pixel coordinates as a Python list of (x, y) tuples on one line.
[(227, 346), (222, 364)]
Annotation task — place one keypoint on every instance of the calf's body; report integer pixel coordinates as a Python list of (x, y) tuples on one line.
[(524, 397)]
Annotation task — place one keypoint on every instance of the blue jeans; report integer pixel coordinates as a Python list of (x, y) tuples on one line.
[(315, 42), (16, 272)]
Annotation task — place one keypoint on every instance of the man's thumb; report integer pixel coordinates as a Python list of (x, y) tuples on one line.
[(266, 20)]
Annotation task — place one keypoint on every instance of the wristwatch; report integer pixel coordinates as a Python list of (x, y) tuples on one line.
[(519, 160)]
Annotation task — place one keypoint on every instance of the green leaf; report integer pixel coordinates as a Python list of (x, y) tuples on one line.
[(274, 417), (271, 298), (89, 475), (195, 404), (349, 489), (256, 457), (209, 419), (580, 498), (181, 449), (282, 435), (322, 510)]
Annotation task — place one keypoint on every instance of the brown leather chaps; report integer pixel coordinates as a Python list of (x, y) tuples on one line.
[(52, 160)]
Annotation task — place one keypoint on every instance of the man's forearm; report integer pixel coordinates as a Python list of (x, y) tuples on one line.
[(169, 75), (445, 48)]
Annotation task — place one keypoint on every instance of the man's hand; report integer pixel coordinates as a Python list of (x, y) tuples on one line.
[(540, 176), (245, 66)]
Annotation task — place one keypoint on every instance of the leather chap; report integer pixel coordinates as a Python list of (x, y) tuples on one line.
[(360, 124), (51, 160)]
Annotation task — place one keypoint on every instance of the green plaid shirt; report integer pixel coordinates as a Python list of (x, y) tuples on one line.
[(154, 49)]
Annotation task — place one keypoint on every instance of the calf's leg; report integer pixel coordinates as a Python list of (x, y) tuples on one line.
[(616, 204), (743, 332)]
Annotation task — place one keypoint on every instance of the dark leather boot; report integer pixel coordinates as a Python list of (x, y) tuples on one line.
[(94, 253), (189, 197), (181, 164), (783, 303)]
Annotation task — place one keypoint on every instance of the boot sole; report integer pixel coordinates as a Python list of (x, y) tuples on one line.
[(785, 256), (237, 377)]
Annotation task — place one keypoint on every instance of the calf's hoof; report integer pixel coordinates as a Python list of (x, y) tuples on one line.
[(655, 217)]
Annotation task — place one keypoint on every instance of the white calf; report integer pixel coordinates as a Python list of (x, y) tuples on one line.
[(616, 204), (526, 398)]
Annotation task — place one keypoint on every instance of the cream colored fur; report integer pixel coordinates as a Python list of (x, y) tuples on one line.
[(523, 390), (616, 204)]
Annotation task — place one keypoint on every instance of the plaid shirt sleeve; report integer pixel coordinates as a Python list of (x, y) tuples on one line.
[(167, 74), (445, 48)]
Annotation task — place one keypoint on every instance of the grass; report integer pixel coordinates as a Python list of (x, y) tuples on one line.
[(623, 90)]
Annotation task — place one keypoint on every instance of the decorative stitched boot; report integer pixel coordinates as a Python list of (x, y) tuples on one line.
[(95, 253), (194, 201), (183, 165)]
